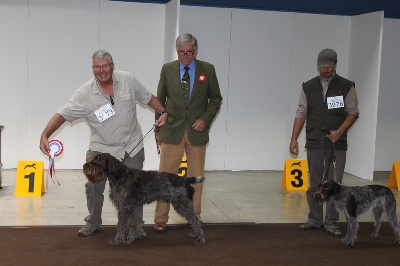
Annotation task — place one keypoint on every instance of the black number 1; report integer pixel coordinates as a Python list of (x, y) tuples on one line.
[(31, 178), (297, 176)]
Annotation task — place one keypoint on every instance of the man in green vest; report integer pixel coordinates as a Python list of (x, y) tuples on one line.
[(329, 104)]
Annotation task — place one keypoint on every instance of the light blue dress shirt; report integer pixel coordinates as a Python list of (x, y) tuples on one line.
[(192, 72)]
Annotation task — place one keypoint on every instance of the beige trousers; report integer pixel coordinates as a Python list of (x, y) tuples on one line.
[(170, 160)]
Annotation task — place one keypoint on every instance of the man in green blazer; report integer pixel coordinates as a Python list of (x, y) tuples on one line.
[(189, 90)]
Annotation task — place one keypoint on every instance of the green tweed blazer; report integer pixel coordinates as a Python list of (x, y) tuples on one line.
[(204, 103)]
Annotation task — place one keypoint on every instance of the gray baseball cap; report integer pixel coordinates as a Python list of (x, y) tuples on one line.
[(327, 58)]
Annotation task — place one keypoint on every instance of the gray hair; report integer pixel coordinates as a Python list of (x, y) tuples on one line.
[(102, 55), (187, 39)]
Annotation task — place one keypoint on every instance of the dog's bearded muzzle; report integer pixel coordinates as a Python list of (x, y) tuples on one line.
[(93, 172), (320, 197)]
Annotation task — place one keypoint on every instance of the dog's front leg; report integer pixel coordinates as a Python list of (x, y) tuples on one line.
[(351, 233), (130, 230), (119, 237)]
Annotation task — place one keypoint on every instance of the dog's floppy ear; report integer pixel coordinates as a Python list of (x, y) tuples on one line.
[(336, 188), (111, 164)]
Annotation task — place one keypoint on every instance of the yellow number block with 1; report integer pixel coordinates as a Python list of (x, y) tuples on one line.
[(30, 176), (295, 175)]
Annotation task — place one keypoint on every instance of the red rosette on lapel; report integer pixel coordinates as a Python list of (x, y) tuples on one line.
[(201, 77)]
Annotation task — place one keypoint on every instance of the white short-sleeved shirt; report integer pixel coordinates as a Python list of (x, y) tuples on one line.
[(120, 132)]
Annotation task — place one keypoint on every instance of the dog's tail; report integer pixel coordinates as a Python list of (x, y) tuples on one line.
[(194, 180)]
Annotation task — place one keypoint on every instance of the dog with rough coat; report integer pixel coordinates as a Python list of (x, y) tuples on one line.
[(132, 188), (353, 201)]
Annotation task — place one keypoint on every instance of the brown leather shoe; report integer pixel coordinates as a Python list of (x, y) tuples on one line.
[(160, 227)]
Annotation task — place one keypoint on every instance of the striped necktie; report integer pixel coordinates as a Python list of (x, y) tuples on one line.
[(186, 84)]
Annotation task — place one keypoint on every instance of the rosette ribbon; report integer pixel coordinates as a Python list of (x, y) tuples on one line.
[(55, 149)]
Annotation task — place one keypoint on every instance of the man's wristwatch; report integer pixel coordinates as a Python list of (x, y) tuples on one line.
[(163, 112)]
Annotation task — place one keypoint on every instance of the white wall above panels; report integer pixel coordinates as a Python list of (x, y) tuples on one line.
[(364, 69), (387, 146), (213, 47), (261, 59)]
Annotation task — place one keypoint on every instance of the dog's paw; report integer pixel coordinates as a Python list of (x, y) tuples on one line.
[(192, 233), (129, 239), (374, 235), (349, 243), (200, 241), (118, 239), (114, 242)]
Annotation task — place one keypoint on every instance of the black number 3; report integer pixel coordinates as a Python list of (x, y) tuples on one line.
[(297, 176)]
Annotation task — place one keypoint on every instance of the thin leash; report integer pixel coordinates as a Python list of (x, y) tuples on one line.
[(141, 140), (332, 160)]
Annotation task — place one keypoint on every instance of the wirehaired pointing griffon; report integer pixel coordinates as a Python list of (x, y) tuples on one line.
[(132, 188), (353, 201)]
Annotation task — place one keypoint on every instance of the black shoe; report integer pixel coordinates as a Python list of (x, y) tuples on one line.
[(307, 226), (334, 231)]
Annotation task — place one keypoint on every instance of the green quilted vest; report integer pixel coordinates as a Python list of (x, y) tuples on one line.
[(318, 114)]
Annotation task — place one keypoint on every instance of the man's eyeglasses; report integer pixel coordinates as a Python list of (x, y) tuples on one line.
[(188, 53), (104, 67)]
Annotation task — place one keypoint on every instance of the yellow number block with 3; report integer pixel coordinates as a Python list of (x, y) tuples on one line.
[(295, 175), (30, 179), (394, 178)]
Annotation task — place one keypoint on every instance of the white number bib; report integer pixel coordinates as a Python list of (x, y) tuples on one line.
[(335, 102), (104, 112)]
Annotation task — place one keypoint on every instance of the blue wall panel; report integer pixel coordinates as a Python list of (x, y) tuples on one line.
[(338, 7)]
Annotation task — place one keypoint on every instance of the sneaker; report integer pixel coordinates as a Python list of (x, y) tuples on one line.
[(307, 226), (334, 231), (140, 233), (87, 231)]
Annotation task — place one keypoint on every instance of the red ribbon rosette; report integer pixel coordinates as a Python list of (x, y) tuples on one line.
[(55, 149), (201, 77)]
